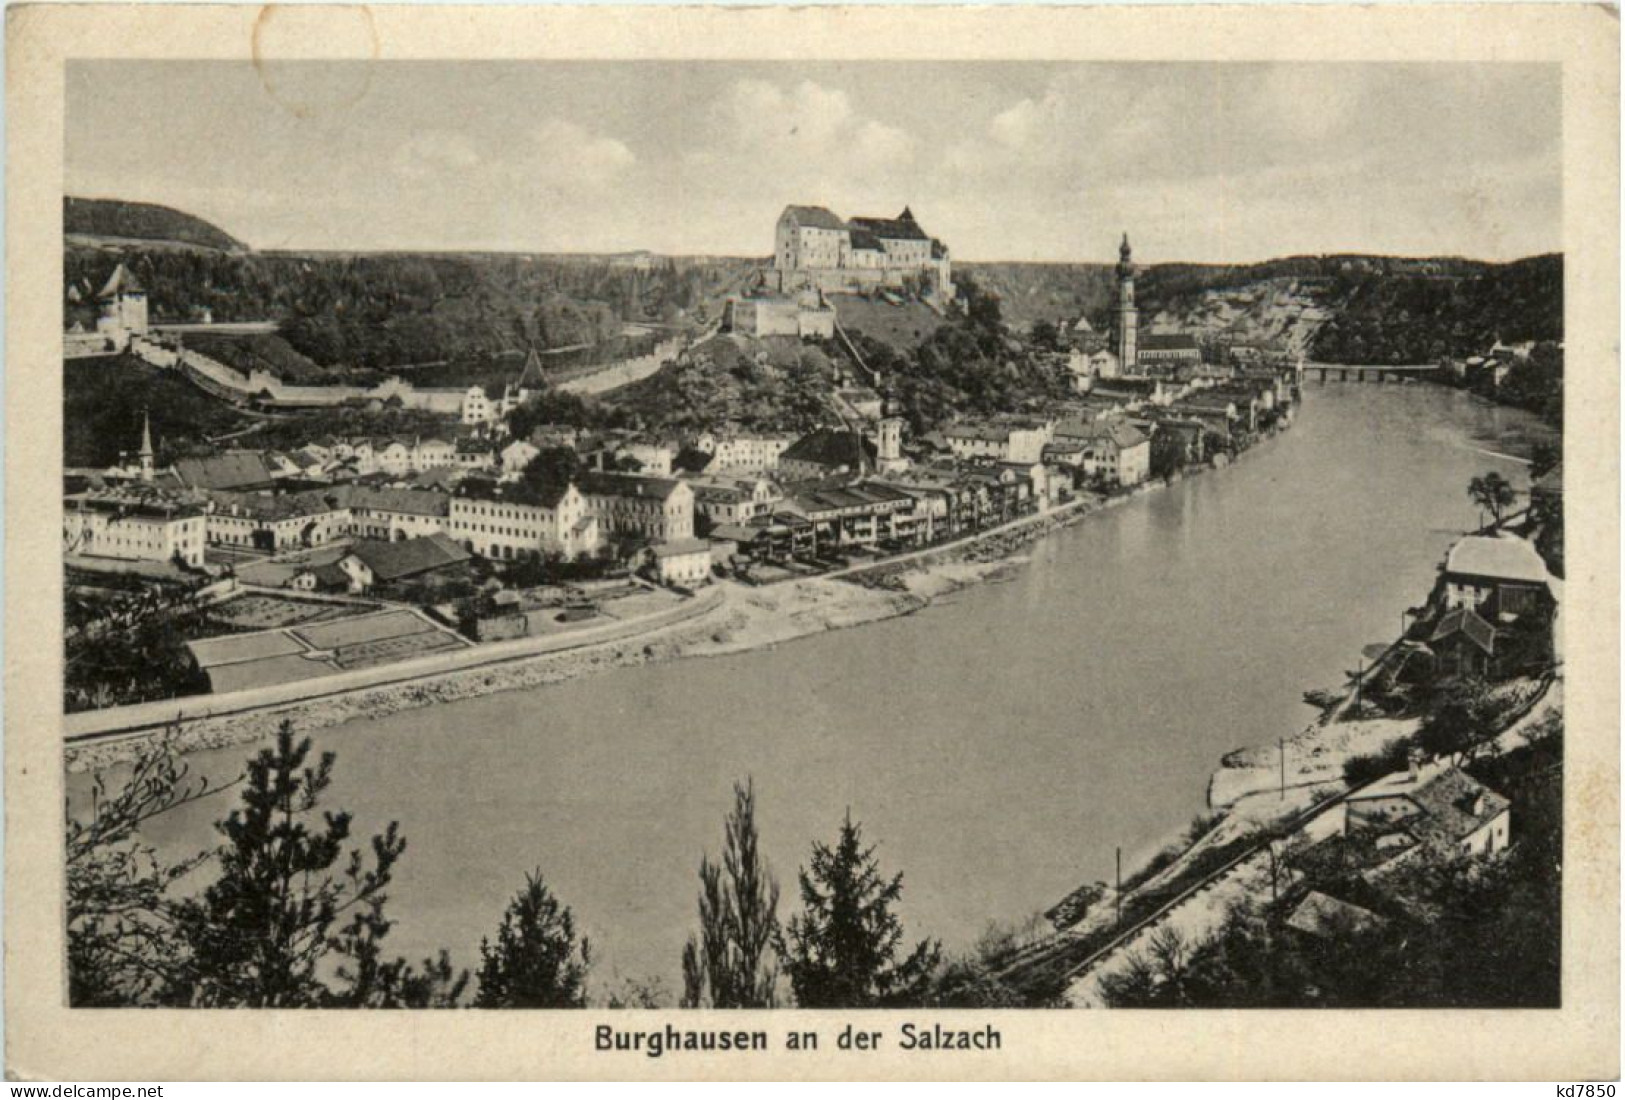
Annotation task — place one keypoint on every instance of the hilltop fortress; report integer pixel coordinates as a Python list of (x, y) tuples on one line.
[(816, 253), (814, 249)]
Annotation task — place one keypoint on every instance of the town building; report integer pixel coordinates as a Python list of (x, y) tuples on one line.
[(732, 501), (1429, 807), (1002, 441), (684, 562), (1463, 643), (1500, 576), (1168, 348), (371, 562), (135, 522), (825, 453), (520, 520), (655, 509)]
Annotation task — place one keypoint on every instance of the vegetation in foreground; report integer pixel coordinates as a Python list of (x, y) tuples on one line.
[(290, 910)]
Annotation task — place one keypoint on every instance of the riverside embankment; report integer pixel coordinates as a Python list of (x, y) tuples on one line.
[(999, 742)]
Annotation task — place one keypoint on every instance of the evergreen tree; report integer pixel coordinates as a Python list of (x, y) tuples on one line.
[(728, 962), (841, 951), (259, 933), (535, 961)]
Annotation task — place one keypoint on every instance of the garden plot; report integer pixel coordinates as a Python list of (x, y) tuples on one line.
[(236, 648), (254, 611), (366, 628), (266, 672)]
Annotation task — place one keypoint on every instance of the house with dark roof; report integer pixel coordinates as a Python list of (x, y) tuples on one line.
[(1168, 348), (827, 452), (1463, 643), (240, 470), (371, 562)]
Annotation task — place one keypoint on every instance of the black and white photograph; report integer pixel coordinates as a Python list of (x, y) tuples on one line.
[(931, 534)]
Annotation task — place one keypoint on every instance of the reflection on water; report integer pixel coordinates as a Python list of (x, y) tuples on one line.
[(998, 746)]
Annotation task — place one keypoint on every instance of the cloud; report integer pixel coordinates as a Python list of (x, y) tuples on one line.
[(435, 151), (808, 137), (570, 157)]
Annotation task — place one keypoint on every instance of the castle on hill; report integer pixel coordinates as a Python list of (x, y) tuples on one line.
[(813, 248)]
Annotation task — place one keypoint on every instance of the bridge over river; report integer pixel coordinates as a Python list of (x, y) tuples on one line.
[(1371, 372)]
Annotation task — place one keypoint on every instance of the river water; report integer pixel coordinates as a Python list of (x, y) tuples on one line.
[(997, 747)]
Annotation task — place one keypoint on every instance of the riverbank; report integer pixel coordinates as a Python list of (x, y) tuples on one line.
[(746, 618)]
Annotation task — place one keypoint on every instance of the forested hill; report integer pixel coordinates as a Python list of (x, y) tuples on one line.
[(1369, 309), (94, 221)]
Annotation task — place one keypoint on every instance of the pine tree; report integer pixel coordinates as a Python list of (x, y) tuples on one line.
[(728, 963), (841, 951), (257, 935), (535, 961)]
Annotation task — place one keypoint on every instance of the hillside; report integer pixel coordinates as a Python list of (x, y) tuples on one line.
[(387, 310), (110, 222), (1334, 308)]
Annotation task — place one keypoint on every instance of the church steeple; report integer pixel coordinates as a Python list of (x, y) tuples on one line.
[(1128, 317), (146, 447)]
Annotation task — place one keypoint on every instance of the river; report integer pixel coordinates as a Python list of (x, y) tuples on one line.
[(997, 747)]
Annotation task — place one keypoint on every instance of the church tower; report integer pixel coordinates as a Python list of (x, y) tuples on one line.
[(1128, 318), (146, 447), (889, 438)]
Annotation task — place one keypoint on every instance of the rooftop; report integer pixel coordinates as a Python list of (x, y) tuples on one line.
[(392, 560), (1501, 557)]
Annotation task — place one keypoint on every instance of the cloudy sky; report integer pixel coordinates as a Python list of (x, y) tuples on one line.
[(1022, 161)]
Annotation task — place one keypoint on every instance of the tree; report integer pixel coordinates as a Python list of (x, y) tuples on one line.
[(553, 467), (122, 945), (259, 933), (1492, 492), (1460, 726), (842, 950), (1167, 453), (728, 965), (535, 961), (1543, 459), (1045, 335)]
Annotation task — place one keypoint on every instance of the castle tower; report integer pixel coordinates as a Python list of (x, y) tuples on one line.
[(146, 447), (124, 307), (1128, 318)]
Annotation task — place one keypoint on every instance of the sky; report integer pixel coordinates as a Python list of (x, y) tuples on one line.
[(1001, 160)]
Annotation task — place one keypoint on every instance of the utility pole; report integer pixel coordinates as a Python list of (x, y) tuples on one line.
[(1359, 680), (1282, 742), (1119, 886)]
